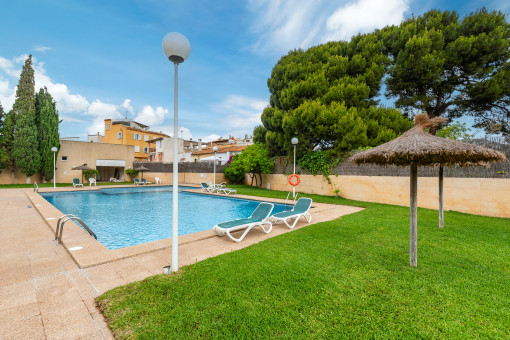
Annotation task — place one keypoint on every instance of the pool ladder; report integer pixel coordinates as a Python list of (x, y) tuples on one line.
[(294, 199), (60, 226), (36, 187)]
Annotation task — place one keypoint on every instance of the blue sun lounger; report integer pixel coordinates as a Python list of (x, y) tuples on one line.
[(258, 218)]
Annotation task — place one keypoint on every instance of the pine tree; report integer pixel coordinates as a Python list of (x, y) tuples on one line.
[(26, 145), (47, 125), (6, 144)]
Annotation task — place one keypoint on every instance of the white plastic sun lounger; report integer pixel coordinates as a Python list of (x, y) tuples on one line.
[(258, 218), (226, 191), (301, 209), (207, 188)]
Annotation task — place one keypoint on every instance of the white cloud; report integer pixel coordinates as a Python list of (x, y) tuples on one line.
[(210, 138), (363, 16), (66, 101), (101, 111), (70, 119), (41, 48), (240, 112), (126, 106), (285, 25), (184, 132), (150, 116), (72, 107)]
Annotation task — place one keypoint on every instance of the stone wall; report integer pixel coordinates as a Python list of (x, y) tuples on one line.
[(348, 168), (190, 167), (480, 196), (185, 177)]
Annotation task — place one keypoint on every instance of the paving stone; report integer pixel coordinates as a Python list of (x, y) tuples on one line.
[(21, 322), (17, 295)]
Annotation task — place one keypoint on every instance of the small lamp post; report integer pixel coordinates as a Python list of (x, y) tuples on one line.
[(215, 149), (294, 142), (54, 149), (176, 48)]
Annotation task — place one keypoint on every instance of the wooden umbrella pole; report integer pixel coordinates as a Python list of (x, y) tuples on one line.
[(413, 229), (441, 214)]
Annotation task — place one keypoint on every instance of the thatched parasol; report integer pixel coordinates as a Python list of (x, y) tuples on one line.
[(142, 169), (81, 167), (417, 147)]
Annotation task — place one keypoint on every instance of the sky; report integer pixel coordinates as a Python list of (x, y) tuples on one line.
[(104, 59)]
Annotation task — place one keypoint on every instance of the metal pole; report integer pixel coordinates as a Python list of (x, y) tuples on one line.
[(54, 175), (294, 187), (175, 230), (215, 169)]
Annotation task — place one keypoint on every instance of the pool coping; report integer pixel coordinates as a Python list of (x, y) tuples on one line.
[(88, 252)]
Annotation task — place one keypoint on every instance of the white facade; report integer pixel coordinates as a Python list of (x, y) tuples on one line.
[(165, 151)]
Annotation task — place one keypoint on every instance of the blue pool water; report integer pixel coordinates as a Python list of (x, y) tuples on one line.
[(122, 217)]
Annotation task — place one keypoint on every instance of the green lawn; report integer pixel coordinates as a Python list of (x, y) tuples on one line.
[(348, 278), (50, 185)]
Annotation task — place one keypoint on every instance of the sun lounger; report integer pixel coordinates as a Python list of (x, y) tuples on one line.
[(207, 188), (216, 186), (226, 191), (137, 182), (301, 209), (76, 183), (144, 181), (259, 217)]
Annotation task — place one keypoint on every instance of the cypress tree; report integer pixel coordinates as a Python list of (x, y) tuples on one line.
[(2, 117), (47, 124), (6, 144), (26, 145)]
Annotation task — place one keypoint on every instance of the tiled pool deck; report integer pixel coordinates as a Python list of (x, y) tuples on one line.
[(45, 293)]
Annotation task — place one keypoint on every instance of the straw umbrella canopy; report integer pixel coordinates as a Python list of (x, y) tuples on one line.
[(417, 147), (142, 169), (81, 167)]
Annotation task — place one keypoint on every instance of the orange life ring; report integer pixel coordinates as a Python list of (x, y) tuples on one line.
[(291, 182)]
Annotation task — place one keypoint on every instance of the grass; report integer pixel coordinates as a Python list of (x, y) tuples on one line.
[(348, 278), (50, 185)]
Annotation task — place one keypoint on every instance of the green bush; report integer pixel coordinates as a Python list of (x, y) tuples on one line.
[(254, 161), (315, 162), (234, 173), (90, 173), (132, 173)]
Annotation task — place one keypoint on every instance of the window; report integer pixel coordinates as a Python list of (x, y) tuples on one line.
[(119, 135), (107, 127), (145, 138), (137, 136), (146, 150), (63, 158), (137, 148)]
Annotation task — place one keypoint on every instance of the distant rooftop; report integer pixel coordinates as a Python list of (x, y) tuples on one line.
[(130, 123)]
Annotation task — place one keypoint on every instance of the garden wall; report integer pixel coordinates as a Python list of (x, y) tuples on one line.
[(19, 178), (184, 177), (480, 196)]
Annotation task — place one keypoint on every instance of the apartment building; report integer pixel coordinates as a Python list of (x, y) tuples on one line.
[(129, 132)]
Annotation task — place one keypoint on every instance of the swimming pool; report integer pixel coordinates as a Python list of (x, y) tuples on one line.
[(122, 217)]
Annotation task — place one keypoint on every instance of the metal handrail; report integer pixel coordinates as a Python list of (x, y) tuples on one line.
[(36, 187), (293, 200), (60, 226)]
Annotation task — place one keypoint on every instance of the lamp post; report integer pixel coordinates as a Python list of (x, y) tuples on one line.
[(54, 149), (215, 149), (176, 48), (294, 142)]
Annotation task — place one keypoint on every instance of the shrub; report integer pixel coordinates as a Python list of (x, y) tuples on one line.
[(132, 173), (90, 173)]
